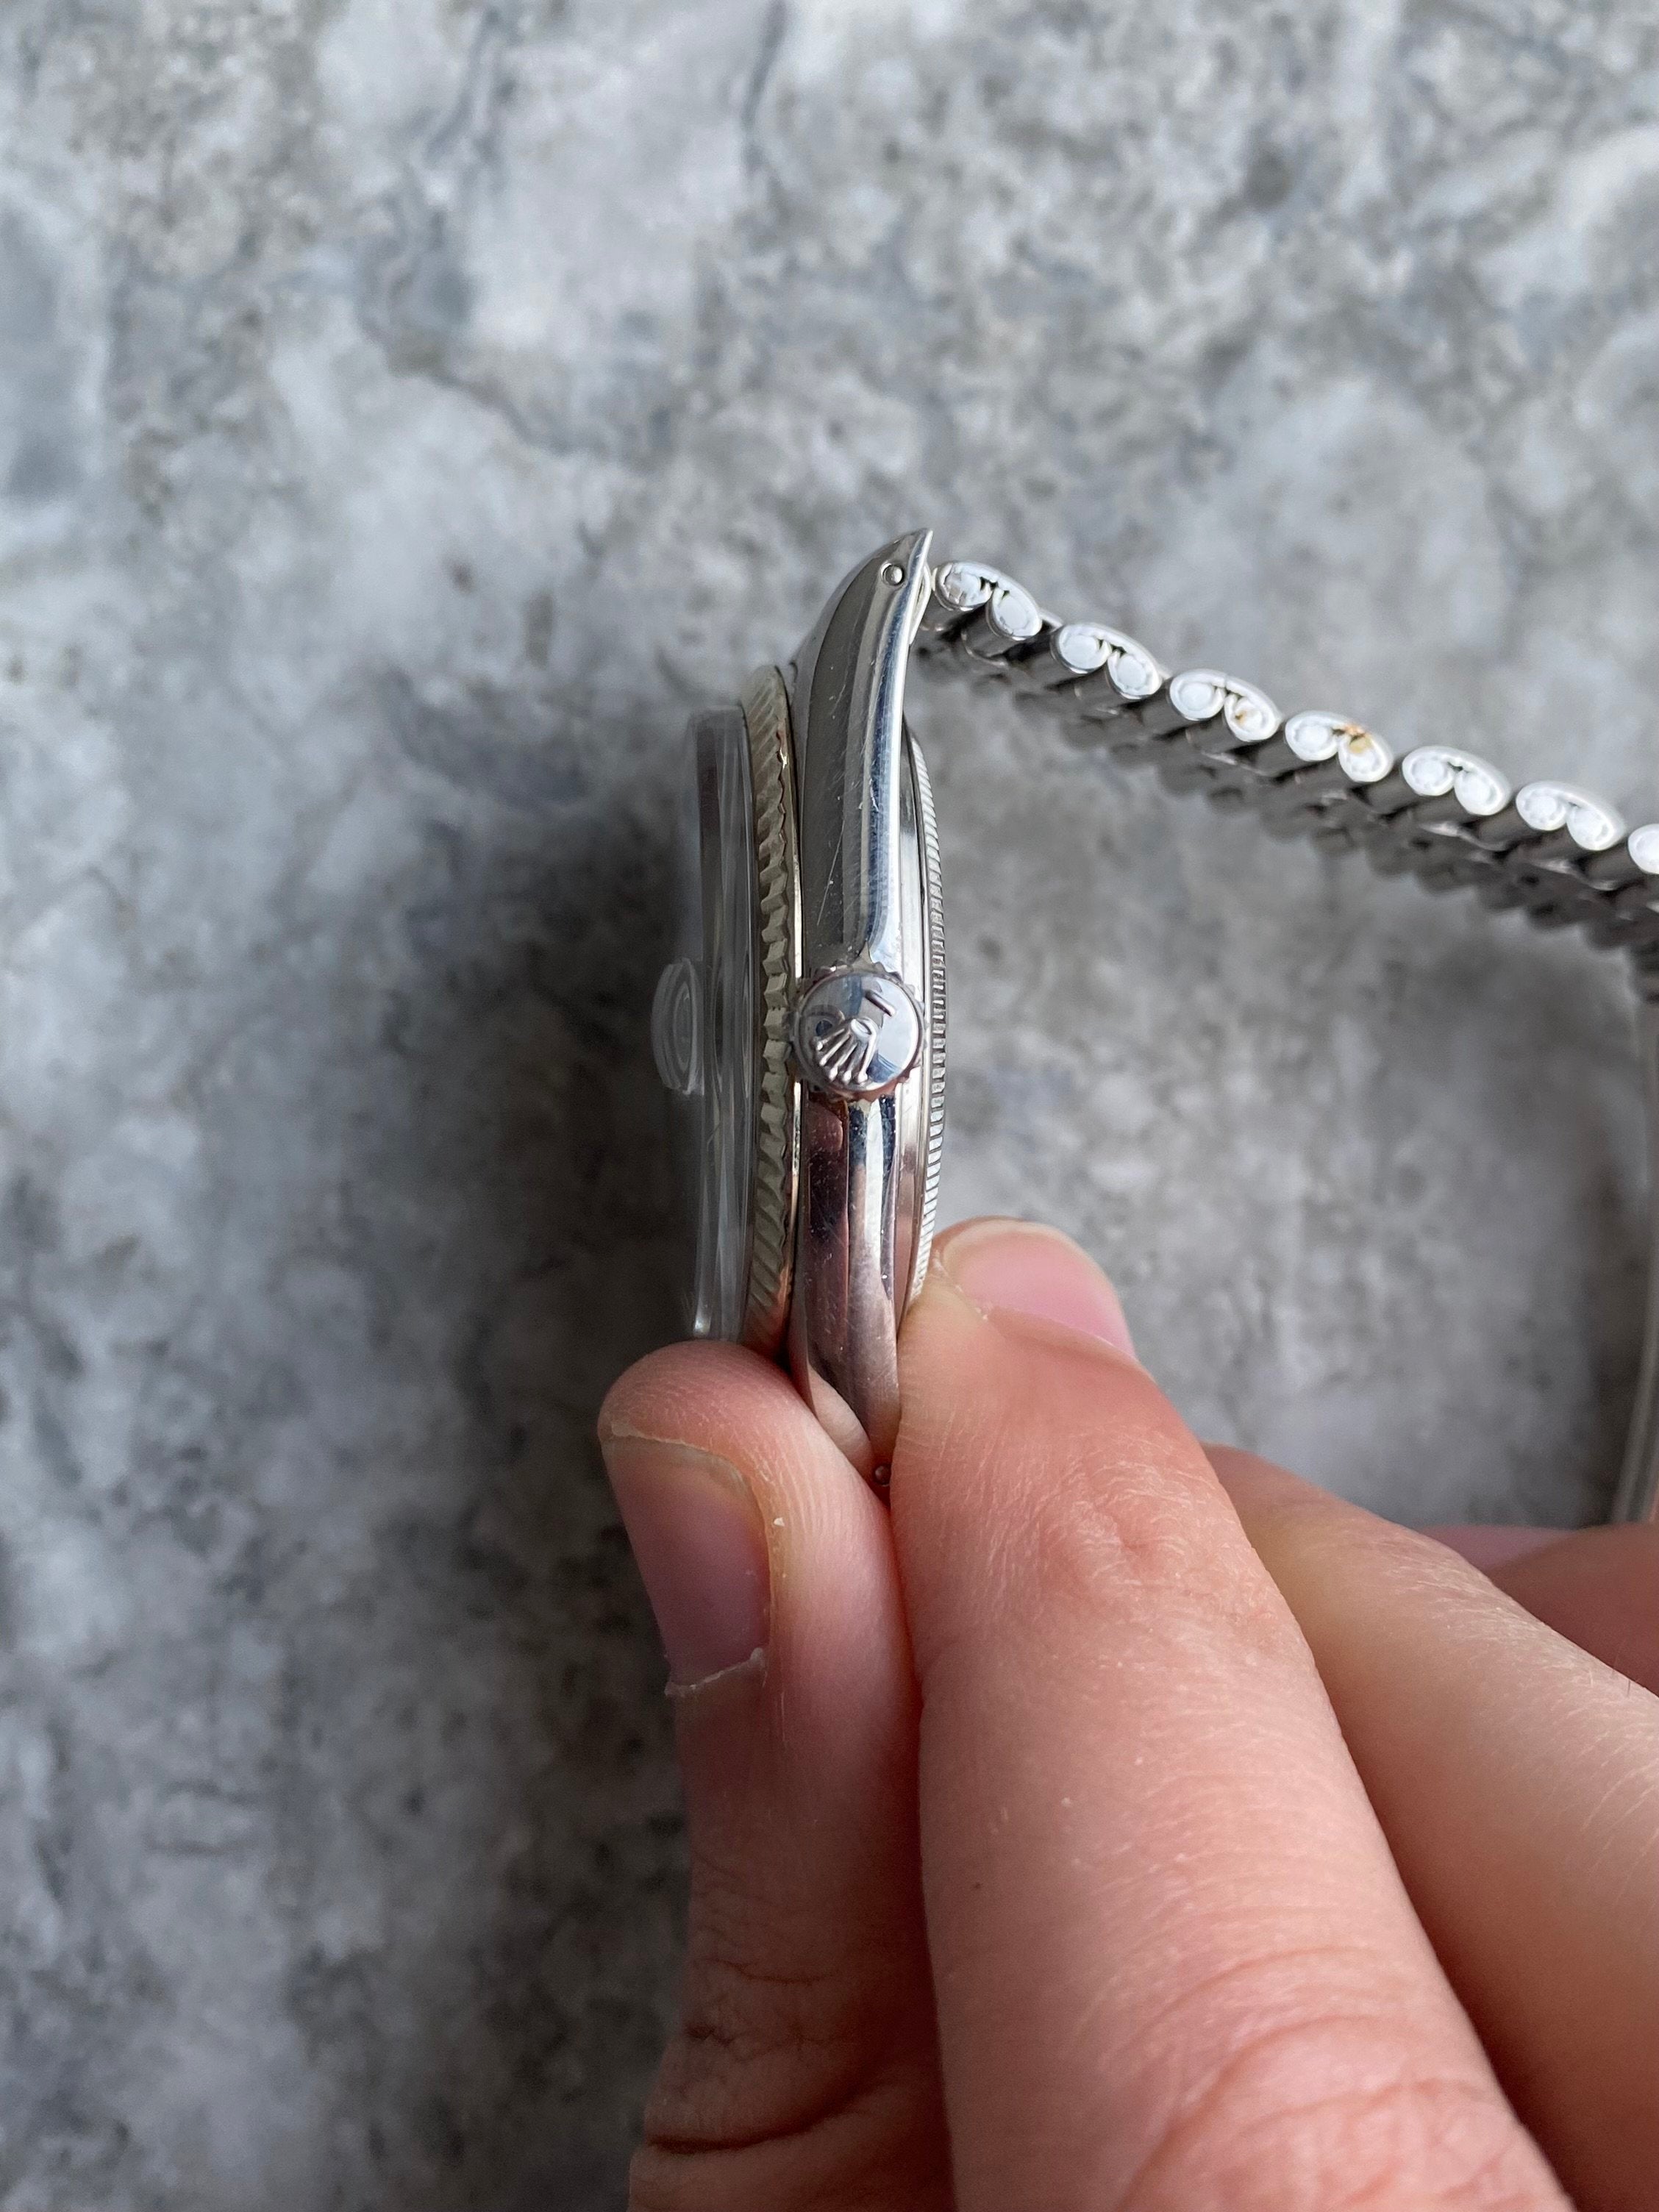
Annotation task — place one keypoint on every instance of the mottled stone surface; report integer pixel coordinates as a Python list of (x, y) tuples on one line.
[(407, 409)]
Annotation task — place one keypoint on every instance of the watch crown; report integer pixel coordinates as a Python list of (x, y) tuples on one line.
[(858, 1033)]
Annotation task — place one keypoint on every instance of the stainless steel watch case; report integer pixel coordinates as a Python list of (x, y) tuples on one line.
[(799, 1030), (869, 1027)]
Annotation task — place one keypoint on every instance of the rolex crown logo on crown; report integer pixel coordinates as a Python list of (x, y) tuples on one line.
[(858, 1033), (845, 1048)]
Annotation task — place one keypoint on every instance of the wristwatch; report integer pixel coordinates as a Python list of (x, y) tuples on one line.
[(799, 1026)]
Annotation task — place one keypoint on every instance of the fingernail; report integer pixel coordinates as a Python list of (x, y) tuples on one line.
[(700, 1549), (1020, 1267)]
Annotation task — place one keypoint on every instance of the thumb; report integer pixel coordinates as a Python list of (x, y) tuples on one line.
[(804, 2072)]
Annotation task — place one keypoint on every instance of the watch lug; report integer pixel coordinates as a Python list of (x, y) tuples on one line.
[(847, 699)]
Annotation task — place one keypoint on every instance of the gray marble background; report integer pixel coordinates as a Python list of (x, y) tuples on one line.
[(408, 408)]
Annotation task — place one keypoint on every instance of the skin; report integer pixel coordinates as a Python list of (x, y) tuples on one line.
[(1124, 1824)]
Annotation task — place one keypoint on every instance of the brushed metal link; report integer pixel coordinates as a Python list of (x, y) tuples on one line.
[(1556, 853)]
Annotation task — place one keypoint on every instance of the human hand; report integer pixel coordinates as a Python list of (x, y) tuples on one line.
[(1125, 1826)]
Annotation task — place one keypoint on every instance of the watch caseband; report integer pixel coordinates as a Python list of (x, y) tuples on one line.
[(850, 769), (1437, 812)]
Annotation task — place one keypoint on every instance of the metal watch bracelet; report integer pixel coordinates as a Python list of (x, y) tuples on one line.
[(1559, 854)]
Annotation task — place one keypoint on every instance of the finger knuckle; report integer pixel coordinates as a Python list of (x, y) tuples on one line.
[(869, 2143), (782, 2024), (1323, 2117), (1130, 1516), (799, 2018)]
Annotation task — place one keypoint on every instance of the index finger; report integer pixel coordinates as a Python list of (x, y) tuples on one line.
[(1175, 1965)]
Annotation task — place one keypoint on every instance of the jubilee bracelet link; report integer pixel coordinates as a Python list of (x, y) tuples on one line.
[(1556, 853), (1560, 855)]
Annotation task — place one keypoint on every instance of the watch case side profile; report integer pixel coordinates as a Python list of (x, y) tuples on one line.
[(865, 955), (801, 1027)]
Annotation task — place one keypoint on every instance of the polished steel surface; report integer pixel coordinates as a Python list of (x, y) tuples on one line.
[(1440, 813), (848, 701), (853, 1251)]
